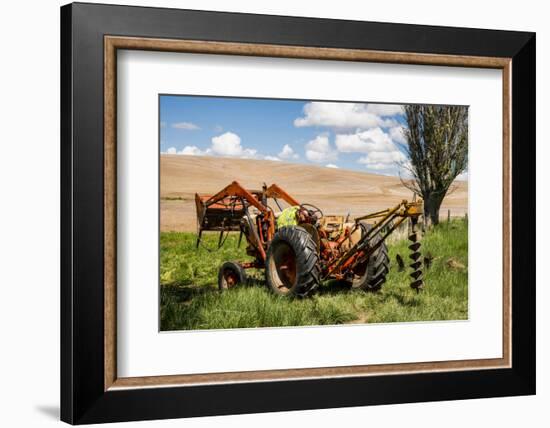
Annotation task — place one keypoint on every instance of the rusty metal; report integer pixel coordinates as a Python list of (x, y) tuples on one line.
[(230, 278), (341, 253), (275, 192), (390, 219), (226, 210)]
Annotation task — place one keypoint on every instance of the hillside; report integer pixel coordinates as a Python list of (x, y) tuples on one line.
[(335, 191)]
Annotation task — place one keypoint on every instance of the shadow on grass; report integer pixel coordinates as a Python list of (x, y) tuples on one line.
[(403, 299), (184, 293), (334, 287), (388, 293)]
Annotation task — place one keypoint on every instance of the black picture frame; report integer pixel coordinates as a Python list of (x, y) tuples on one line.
[(83, 398)]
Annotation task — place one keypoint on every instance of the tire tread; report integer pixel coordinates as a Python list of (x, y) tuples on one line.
[(307, 259)]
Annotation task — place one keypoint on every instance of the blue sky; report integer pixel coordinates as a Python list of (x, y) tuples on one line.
[(358, 136)]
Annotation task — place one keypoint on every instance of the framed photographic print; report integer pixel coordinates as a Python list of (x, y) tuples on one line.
[(266, 213)]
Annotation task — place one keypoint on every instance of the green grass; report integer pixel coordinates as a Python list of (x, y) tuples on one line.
[(190, 299)]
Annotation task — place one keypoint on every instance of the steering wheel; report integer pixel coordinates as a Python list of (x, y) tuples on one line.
[(313, 211)]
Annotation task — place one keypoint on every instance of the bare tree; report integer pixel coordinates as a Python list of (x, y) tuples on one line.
[(437, 147)]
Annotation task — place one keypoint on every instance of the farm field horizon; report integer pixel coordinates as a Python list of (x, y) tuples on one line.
[(336, 191)]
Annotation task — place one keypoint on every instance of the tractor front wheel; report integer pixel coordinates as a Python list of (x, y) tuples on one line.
[(292, 262), (230, 275)]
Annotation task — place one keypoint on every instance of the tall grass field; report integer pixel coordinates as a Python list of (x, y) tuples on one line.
[(190, 300)]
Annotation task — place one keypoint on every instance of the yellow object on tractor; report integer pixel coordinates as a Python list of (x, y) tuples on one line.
[(299, 246)]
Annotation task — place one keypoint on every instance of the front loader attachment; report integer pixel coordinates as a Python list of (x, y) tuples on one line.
[(229, 210), (223, 215)]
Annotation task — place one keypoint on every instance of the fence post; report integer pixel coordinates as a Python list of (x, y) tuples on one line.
[(448, 216)]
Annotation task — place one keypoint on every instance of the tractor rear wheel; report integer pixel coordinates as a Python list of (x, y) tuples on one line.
[(376, 268), (292, 262), (230, 275)]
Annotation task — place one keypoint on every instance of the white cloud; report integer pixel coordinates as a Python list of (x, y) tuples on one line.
[(229, 144), (346, 115), (187, 150), (383, 160), (377, 166), (288, 153), (191, 151), (385, 109), (369, 129), (187, 126), (364, 141), (320, 150), (383, 157), (272, 158), (397, 134), (378, 147), (331, 165)]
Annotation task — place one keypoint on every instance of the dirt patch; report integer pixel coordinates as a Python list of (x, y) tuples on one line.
[(361, 319), (454, 264)]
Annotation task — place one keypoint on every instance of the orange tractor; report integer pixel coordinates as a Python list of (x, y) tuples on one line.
[(299, 246)]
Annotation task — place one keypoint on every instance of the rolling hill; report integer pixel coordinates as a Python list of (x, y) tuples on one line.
[(335, 191)]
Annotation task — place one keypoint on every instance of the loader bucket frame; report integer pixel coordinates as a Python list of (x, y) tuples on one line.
[(226, 210)]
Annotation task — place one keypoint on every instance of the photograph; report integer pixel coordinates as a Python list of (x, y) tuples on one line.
[(287, 212)]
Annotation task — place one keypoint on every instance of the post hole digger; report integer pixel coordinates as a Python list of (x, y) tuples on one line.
[(300, 246)]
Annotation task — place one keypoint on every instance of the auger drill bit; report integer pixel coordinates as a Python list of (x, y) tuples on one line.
[(417, 282), (400, 262)]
